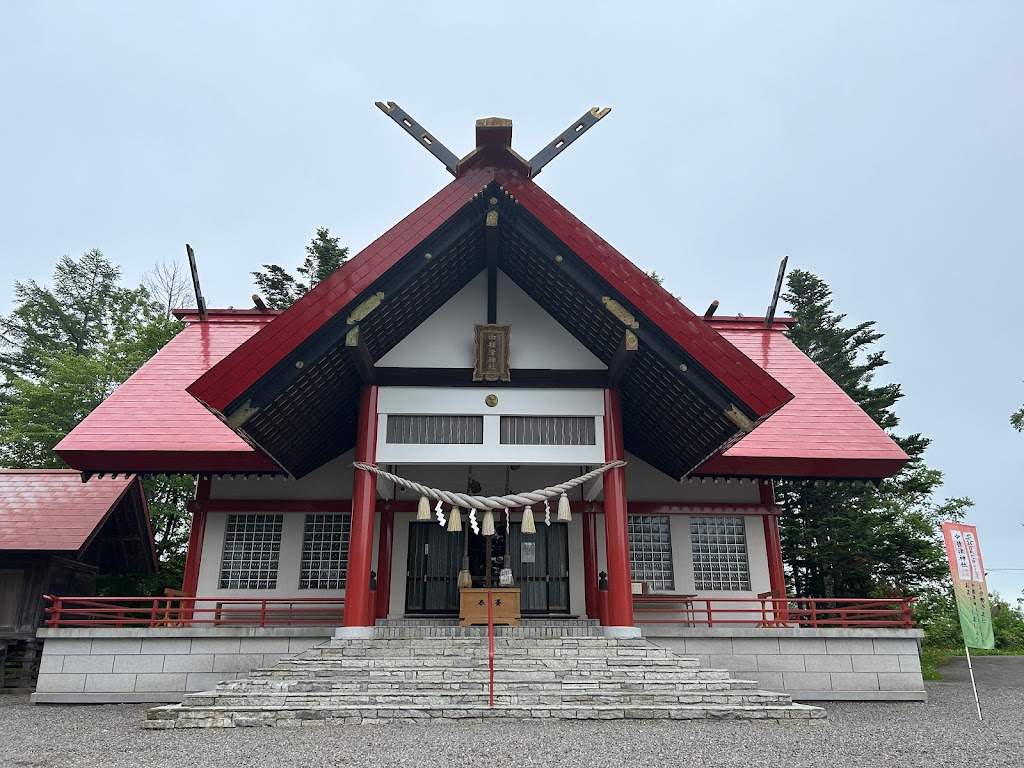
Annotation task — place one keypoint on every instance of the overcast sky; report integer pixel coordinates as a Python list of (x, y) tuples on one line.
[(879, 145)]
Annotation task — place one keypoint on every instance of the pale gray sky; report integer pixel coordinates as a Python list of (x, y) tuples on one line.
[(879, 144)]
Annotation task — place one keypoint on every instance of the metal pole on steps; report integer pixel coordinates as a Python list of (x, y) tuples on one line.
[(490, 643)]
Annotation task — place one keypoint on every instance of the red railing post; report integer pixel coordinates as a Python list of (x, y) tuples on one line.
[(53, 610)]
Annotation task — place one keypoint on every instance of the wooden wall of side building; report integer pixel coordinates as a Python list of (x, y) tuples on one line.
[(26, 576)]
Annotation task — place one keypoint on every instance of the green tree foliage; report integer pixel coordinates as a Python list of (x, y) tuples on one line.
[(857, 541), (323, 257), (63, 350), (1017, 420)]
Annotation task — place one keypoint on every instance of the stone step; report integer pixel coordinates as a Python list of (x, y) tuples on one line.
[(449, 641), (269, 686), (443, 698), (331, 661), (455, 674), (176, 716)]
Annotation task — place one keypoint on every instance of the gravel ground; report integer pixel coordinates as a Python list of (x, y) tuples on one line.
[(943, 732)]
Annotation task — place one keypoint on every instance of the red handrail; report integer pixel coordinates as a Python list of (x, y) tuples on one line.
[(193, 611), (774, 612), (490, 643)]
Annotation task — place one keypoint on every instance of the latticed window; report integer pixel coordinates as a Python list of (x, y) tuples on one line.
[(325, 552), (435, 430), (548, 430), (719, 553), (650, 550), (252, 547)]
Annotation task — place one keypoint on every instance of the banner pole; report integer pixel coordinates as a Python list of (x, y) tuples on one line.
[(974, 685)]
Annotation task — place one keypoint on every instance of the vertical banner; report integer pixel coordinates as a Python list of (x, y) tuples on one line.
[(969, 584)]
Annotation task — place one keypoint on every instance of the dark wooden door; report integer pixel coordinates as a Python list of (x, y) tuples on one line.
[(435, 557), (540, 565)]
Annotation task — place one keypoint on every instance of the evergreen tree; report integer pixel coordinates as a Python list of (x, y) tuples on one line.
[(323, 257), (855, 541), (63, 350)]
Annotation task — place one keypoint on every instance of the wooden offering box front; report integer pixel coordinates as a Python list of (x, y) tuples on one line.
[(473, 606)]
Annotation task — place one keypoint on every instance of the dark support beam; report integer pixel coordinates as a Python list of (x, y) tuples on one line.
[(200, 301), (624, 355), (360, 356), (418, 132), (769, 317), (712, 308), (462, 377), (492, 267), (565, 138)]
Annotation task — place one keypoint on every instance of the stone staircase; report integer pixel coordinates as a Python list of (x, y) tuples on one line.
[(415, 670)]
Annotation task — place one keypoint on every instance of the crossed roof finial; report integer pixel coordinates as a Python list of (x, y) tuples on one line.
[(492, 132)]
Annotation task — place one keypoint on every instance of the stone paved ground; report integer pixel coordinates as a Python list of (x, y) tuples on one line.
[(943, 732)]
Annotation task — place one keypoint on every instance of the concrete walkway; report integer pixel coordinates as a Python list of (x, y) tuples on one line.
[(943, 732)]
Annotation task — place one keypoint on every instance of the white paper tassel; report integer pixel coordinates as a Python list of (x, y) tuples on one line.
[(455, 520), (564, 510), (439, 513), (472, 521), (487, 527), (423, 510), (547, 513), (528, 526)]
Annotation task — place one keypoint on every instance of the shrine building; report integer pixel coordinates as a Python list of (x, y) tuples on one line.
[(489, 345)]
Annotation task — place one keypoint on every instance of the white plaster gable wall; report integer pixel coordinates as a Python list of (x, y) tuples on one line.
[(445, 339)]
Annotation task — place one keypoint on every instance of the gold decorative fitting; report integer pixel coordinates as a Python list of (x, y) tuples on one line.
[(352, 337), (365, 308), (491, 401), (599, 113), (558, 258), (299, 364), (493, 201), (737, 417), (492, 218), (631, 342), (242, 415), (624, 315), (682, 367), (428, 256), (385, 106)]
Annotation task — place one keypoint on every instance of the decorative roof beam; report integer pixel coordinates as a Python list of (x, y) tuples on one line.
[(360, 355), (421, 134), (624, 356), (491, 227), (565, 138)]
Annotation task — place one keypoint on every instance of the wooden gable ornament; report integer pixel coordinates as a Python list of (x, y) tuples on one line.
[(491, 353)]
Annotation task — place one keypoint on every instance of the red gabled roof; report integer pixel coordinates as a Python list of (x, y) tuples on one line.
[(52, 509), (252, 359), (722, 359), (241, 369), (820, 433), (151, 424)]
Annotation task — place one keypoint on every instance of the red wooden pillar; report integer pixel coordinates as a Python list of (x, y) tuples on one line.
[(772, 540), (616, 530), (590, 562), (358, 610), (385, 543), (194, 556)]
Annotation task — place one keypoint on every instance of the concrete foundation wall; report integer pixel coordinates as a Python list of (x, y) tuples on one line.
[(94, 666), (808, 664)]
